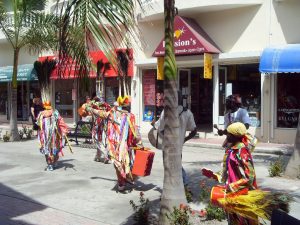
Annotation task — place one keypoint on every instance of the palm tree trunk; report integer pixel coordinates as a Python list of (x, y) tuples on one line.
[(13, 112), (173, 190), (293, 167)]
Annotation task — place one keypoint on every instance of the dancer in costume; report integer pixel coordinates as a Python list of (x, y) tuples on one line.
[(51, 134), (122, 137), (99, 131), (241, 198)]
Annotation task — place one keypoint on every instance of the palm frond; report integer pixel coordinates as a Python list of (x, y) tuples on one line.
[(103, 25)]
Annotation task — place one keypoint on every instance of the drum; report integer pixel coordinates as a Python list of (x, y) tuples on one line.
[(155, 138)]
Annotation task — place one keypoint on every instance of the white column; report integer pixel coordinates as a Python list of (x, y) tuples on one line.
[(215, 94), (262, 83)]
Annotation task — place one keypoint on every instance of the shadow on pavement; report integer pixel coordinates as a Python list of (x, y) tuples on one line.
[(14, 204), (104, 178), (65, 165)]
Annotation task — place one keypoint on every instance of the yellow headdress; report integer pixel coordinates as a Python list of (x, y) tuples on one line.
[(124, 101), (237, 129), (47, 105)]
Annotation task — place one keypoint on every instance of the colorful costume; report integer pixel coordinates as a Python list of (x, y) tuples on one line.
[(99, 132), (118, 129), (240, 196), (51, 133)]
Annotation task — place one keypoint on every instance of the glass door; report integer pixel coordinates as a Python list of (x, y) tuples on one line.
[(222, 93), (184, 85)]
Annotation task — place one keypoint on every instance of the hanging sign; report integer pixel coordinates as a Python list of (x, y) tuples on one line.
[(160, 68), (207, 66)]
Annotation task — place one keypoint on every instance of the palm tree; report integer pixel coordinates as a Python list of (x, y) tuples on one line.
[(25, 26), (173, 190)]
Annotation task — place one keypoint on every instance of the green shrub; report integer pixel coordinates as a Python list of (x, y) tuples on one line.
[(141, 211), (215, 213), (6, 137), (276, 168), (180, 216), (204, 194), (188, 194)]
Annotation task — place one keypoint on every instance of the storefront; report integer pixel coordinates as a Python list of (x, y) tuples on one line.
[(70, 90), (280, 68), (27, 89)]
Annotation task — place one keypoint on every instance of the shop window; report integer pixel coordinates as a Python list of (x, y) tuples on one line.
[(63, 97), (3, 98), (245, 81), (288, 100), (149, 94)]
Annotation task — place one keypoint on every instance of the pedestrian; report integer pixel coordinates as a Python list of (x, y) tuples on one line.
[(51, 135), (35, 109), (186, 123), (235, 113)]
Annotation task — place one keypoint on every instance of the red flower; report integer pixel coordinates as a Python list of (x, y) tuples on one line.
[(182, 206), (202, 213)]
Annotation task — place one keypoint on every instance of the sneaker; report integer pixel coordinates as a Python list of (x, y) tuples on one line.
[(106, 161), (121, 188), (97, 159), (50, 168)]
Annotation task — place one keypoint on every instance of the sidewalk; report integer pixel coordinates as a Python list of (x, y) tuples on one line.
[(211, 143), (216, 143), (81, 191)]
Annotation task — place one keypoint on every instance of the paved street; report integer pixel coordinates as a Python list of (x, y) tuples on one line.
[(80, 191)]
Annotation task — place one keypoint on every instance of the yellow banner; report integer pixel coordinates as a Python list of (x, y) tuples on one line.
[(160, 68), (207, 66)]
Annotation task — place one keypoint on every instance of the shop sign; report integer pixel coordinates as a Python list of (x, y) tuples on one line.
[(189, 39), (207, 66), (25, 73), (287, 117)]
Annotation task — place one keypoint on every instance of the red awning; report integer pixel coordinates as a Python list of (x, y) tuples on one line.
[(71, 72), (189, 39)]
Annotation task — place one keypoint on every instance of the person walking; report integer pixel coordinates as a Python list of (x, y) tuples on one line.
[(186, 123), (35, 109)]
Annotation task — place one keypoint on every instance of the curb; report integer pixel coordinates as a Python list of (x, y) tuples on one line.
[(287, 151)]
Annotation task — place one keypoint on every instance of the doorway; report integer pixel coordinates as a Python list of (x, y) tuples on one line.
[(197, 93), (184, 76)]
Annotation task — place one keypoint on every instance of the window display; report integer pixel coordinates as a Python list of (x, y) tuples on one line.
[(288, 95)]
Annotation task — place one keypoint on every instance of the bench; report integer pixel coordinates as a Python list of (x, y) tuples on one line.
[(82, 130)]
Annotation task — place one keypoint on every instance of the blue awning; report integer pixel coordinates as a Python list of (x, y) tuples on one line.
[(25, 73), (280, 59)]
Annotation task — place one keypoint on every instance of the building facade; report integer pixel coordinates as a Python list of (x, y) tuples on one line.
[(240, 30)]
